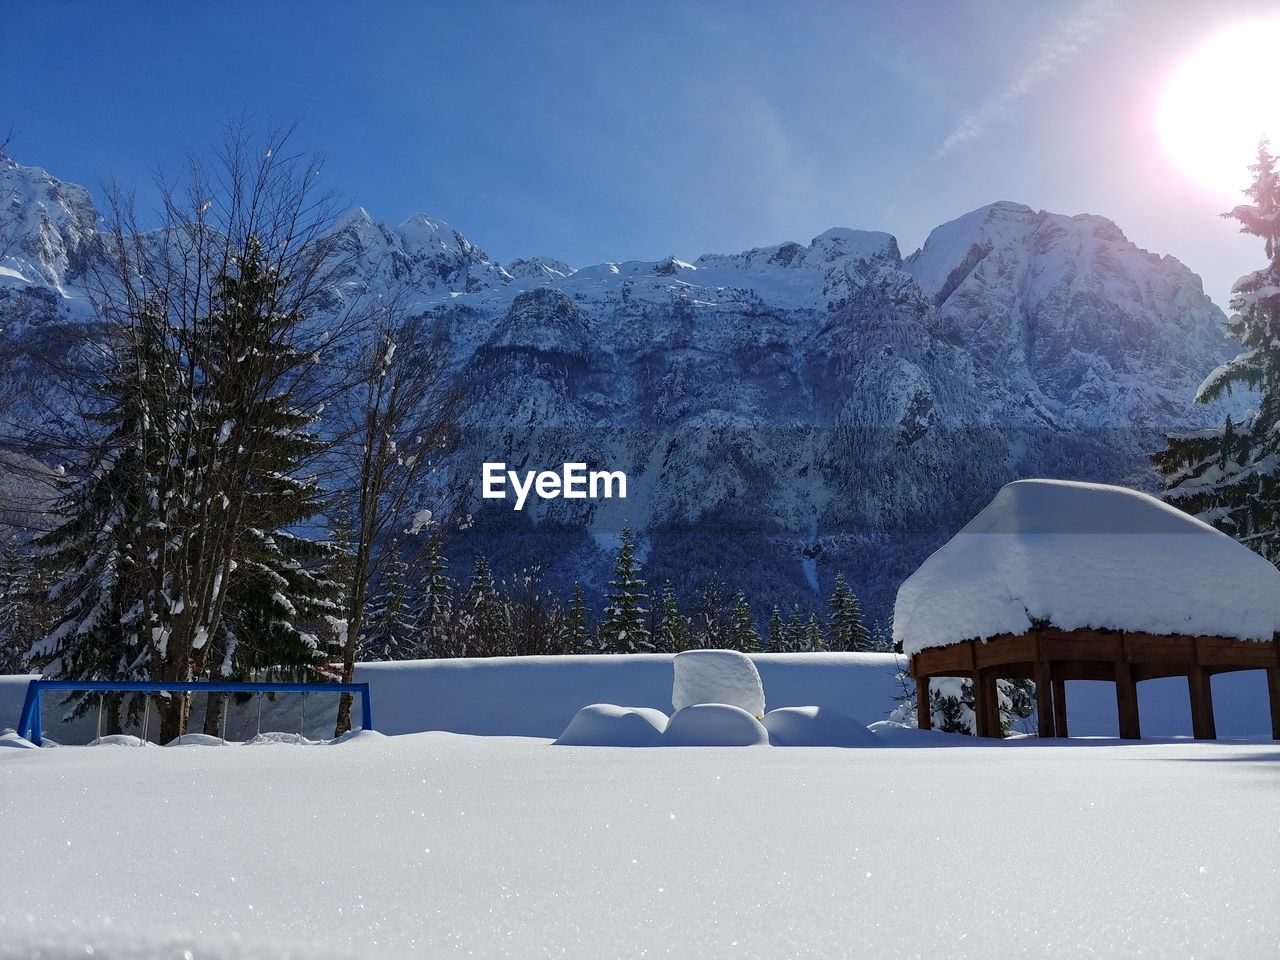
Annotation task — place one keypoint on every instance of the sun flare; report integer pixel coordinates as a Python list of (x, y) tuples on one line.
[(1220, 102)]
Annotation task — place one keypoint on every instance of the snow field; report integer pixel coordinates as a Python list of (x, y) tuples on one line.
[(437, 845)]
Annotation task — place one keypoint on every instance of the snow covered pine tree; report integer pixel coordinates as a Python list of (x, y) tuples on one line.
[(847, 630), (576, 637), (626, 625), (1228, 476)]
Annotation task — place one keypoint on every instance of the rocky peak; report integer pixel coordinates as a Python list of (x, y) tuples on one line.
[(539, 268), (45, 226)]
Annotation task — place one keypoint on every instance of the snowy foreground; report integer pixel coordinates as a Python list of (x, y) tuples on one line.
[(436, 844)]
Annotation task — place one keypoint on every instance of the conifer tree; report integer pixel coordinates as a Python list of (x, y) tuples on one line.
[(92, 556), (742, 628), (392, 630), (847, 629), (487, 631), (814, 642), (625, 629), (794, 638), (577, 623), (22, 611), (674, 635), (709, 622), (278, 601), (777, 641), (481, 578), (1229, 476), (435, 611)]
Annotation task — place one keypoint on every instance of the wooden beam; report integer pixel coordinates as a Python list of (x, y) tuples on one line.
[(1044, 700), (1273, 693), (1084, 669), (996, 651), (1202, 726), (1158, 649), (1127, 703), (943, 661), (1232, 653), (924, 714), (1060, 708)]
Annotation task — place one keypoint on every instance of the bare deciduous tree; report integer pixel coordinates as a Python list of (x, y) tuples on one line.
[(403, 421)]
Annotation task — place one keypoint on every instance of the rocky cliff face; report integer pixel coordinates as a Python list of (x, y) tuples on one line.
[(781, 413)]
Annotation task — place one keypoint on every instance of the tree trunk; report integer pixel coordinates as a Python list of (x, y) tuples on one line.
[(348, 674), (173, 720), (213, 707), (111, 723)]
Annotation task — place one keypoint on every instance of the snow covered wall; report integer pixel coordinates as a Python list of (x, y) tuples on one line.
[(539, 696), (531, 696)]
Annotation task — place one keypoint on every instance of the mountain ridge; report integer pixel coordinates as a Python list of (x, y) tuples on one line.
[(783, 412)]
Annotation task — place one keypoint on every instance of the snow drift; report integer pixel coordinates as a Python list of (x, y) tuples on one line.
[(1082, 555), (816, 727), (608, 725), (714, 725)]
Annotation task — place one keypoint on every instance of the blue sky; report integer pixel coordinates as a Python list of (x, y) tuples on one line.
[(594, 131)]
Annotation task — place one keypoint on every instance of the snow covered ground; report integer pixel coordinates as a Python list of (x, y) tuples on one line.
[(442, 845)]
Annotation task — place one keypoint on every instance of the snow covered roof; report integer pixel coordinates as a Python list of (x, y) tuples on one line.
[(1081, 555)]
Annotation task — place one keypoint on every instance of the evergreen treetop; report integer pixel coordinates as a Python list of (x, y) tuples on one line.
[(1228, 476)]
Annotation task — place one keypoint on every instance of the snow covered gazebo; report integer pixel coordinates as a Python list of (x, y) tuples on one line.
[(1057, 581)]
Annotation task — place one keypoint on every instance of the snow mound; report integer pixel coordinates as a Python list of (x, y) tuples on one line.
[(717, 676), (894, 734), (607, 725), (1079, 555), (116, 740), (359, 736), (714, 725), (292, 739), (10, 738), (816, 727), (196, 740)]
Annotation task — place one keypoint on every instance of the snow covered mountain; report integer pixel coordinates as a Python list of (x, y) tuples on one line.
[(782, 413)]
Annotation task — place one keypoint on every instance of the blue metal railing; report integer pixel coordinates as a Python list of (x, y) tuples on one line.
[(29, 720)]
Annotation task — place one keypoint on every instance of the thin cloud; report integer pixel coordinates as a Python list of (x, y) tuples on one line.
[(1070, 37)]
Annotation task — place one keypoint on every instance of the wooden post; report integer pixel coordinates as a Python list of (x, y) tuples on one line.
[(1044, 700), (979, 705), (993, 706), (1127, 702), (1273, 693), (1060, 708), (986, 703), (1202, 727), (924, 715)]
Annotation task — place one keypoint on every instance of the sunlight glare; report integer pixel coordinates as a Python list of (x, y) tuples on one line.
[(1220, 102)]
